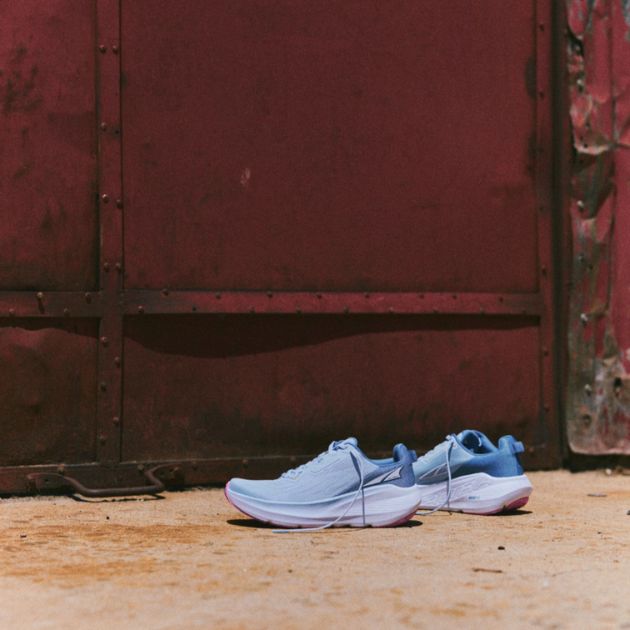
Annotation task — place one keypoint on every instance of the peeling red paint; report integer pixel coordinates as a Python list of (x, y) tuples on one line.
[(598, 410)]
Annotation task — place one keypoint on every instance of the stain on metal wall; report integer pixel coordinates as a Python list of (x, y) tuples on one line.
[(598, 410)]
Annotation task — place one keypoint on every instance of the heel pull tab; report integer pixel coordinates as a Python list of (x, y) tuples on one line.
[(516, 447)]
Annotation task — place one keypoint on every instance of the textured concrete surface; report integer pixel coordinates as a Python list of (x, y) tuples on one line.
[(190, 560)]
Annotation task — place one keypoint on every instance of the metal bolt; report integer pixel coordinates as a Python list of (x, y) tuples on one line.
[(105, 341), (117, 361), (103, 126), (580, 205), (11, 312), (140, 467), (115, 49), (118, 267), (102, 438), (119, 203), (116, 420), (245, 462), (588, 390), (390, 310), (106, 266), (584, 318), (140, 309), (40, 296), (164, 292), (105, 198), (102, 48), (66, 312), (61, 469)]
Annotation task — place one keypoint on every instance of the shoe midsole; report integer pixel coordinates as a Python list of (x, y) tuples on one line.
[(477, 492), (383, 504)]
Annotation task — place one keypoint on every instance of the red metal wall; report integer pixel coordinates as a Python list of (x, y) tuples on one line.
[(236, 231)]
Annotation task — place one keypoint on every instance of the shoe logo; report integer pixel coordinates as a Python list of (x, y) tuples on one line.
[(434, 472), (388, 476)]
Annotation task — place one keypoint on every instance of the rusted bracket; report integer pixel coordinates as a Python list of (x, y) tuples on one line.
[(51, 481)]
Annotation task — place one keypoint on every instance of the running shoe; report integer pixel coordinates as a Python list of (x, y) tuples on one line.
[(468, 473), (340, 487)]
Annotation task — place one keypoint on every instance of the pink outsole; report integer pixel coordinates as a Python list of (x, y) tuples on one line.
[(400, 521), (510, 507)]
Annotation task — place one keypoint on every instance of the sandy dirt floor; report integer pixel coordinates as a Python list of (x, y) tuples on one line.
[(189, 560)]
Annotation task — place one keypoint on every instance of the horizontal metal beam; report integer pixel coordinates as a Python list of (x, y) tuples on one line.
[(284, 302), (75, 304), (26, 304)]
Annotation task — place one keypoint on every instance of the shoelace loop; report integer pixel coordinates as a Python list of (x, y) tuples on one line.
[(452, 442), (359, 491)]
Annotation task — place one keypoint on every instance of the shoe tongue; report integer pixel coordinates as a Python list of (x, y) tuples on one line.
[(351, 440)]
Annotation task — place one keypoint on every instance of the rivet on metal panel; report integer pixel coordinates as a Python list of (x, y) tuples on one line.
[(118, 267), (584, 318), (66, 312), (11, 312), (164, 292), (140, 467), (245, 463), (105, 341), (588, 390), (40, 296), (88, 297), (580, 205), (103, 386), (119, 203), (61, 469), (105, 198), (102, 438), (106, 266), (102, 48), (141, 309), (117, 361), (116, 420), (390, 310), (103, 126), (115, 49)]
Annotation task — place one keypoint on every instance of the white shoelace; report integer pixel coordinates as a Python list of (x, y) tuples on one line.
[(333, 446), (451, 440)]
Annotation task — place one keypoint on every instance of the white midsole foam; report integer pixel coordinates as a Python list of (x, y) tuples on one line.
[(478, 493), (384, 505)]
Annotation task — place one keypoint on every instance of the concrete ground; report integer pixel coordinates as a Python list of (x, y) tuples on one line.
[(190, 560)]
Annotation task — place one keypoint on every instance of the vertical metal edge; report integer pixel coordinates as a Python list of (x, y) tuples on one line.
[(549, 412), (109, 386)]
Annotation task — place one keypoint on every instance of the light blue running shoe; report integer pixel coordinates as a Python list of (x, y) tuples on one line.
[(468, 473), (340, 487)]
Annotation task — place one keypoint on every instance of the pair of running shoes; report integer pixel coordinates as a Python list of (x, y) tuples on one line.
[(343, 487)]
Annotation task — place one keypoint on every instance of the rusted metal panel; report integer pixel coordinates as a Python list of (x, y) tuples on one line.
[(354, 145), (47, 393), (599, 341), (197, 387), (49, 232)]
